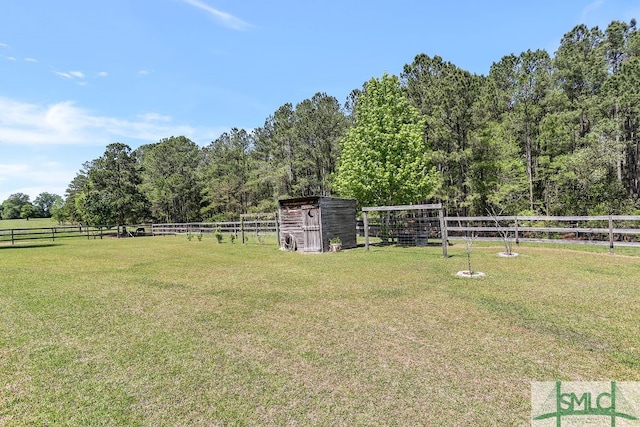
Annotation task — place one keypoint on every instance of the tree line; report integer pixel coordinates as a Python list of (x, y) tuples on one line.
[(539, 134)]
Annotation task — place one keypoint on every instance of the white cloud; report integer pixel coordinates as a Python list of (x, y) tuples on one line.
[(103, 74), (34, 178), (144, 73), (64, 123), (71, 74), (70, 132), (12, 170), (223, 18), (30, 59), (11, 58), (4, 45), (150, 117)]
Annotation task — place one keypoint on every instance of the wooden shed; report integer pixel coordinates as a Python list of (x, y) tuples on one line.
[(307, 224)]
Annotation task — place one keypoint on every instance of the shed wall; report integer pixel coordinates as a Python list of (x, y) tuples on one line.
[(337, 219), (291, 222)]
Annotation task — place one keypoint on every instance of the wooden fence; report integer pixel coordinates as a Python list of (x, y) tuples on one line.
[(16, 235), (244, 230), (241, 229), (611, 230)]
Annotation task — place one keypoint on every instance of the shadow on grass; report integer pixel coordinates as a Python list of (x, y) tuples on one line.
[(407, 248), (29, 246)]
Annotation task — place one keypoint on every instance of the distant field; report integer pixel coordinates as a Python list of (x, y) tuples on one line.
[(32, 223), (166, 331)]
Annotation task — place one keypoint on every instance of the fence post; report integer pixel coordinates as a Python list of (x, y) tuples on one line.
[(610, 234), (242, 229), (365, 224), (443, 232), (12, 237), (53, 234)]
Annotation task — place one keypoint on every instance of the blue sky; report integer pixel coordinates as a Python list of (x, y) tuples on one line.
[(77, 75)]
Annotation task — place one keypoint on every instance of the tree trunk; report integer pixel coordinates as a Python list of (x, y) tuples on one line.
[(529, 166)]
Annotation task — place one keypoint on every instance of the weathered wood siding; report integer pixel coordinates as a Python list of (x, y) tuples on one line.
[(313, 221), (291, 223), (338, 220)]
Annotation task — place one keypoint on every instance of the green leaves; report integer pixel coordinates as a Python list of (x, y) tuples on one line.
[(170, 179), (541, 134), (226, 176), (11, 208), (384, 156), (109, 193)]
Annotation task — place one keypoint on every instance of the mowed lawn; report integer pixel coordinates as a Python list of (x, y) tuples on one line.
[(32, 223), (166, 331)]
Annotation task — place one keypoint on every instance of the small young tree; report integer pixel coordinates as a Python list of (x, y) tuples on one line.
[(468, 243), (504, 233), (469, 237)]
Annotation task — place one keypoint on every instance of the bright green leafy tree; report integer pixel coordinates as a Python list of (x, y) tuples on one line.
[(58, 211), (385, 158)]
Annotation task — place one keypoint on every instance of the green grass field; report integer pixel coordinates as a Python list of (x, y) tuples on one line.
[(165, 331), (23, 223)]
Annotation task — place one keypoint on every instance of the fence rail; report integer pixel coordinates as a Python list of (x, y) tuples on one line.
[(263, 226), (614, 230), (240, 229), (245, 229), (14, 235)]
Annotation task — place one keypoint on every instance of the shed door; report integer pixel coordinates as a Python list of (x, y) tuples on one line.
[(311, 229)]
